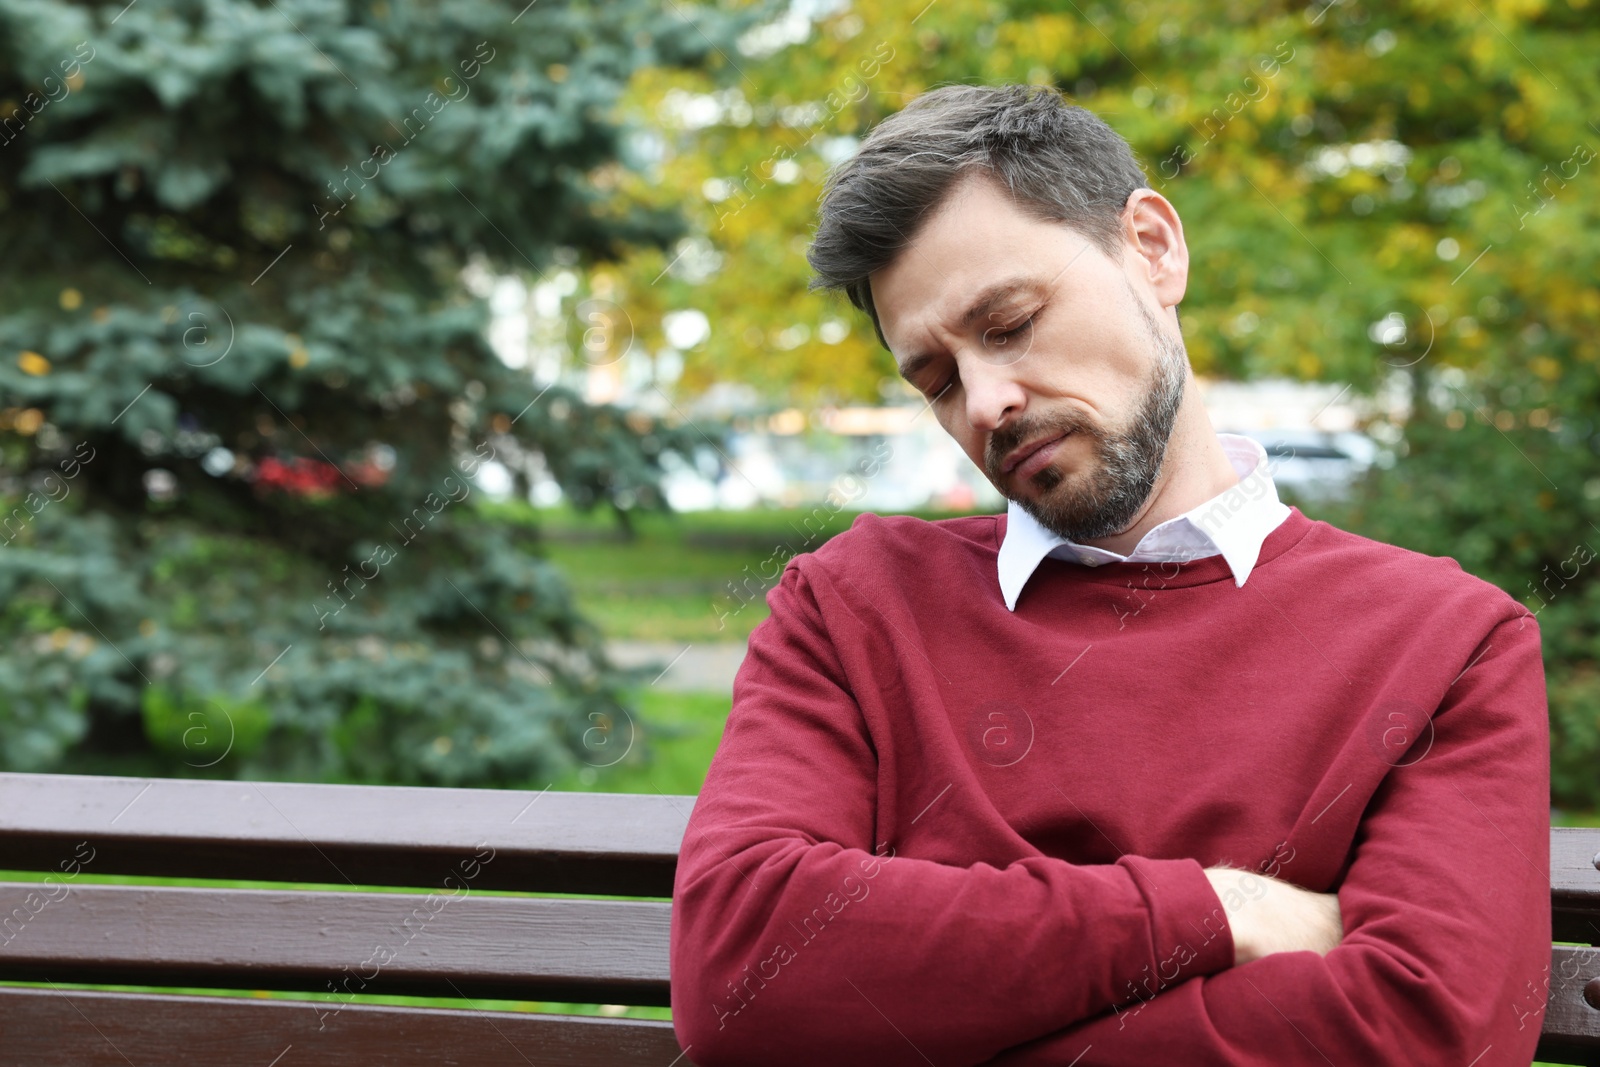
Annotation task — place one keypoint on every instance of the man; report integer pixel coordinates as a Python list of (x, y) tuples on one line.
[(1152, 769)]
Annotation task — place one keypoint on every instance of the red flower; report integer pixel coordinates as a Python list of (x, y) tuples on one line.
[(301, 476)]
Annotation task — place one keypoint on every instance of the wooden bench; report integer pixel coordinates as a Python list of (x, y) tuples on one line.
[(467, 939)]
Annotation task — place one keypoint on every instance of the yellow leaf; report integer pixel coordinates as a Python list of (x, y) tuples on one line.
[(33, 363), (71, 299)]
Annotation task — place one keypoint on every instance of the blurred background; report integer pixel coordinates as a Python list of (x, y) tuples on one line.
[(411, 392)]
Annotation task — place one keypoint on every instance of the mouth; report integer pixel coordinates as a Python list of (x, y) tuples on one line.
[(1032, 456)]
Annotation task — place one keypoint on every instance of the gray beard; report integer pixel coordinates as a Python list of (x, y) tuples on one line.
[(1126, 464)]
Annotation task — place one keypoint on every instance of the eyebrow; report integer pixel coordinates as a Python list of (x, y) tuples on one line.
[(984, 304)]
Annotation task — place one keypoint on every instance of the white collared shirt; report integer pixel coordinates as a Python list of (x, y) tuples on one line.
[(1233, 523)]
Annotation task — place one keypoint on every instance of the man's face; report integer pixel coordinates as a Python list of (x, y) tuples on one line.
[(1065, 354)]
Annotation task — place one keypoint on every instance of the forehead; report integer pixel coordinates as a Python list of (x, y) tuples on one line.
[(977, 242)]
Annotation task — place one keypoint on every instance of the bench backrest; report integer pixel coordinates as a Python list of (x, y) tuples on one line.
[(1571, 1026), (477, 935)]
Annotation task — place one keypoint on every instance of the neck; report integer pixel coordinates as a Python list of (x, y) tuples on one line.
[(1195, 470)]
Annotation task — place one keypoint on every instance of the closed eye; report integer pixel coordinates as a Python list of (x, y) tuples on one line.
[(996, 339), (935, 392)]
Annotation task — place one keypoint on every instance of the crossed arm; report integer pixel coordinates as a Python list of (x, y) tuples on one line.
[(1445, 914), (798, 939)]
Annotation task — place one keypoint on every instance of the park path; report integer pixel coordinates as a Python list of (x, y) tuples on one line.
[(686, 666)]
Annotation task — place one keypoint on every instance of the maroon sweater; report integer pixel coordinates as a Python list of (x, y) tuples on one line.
[(939, 832)]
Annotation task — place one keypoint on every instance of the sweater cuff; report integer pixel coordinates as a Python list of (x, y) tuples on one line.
[(1188, 924)]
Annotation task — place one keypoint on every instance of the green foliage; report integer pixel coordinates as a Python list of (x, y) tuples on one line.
[(1518, 507), (203, 731), (1472, 121), (243, 389)]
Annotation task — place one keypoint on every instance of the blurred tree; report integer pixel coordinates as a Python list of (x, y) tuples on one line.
[(1402, 197), (243, 391)]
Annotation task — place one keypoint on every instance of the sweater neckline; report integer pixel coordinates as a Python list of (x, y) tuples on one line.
[(1169, 575)]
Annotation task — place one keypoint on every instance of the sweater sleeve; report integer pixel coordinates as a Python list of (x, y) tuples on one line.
[(798, 939), (1446, 907)]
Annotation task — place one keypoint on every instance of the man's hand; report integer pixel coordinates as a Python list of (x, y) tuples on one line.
[(1268, 915)]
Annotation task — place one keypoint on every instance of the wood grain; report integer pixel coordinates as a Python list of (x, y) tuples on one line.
[(584, 951), (613, 843), (77, 1028)]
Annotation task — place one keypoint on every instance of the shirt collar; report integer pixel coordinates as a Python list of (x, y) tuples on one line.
[(1233, 523)]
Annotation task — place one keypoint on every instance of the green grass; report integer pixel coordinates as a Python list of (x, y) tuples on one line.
[(697, 576), (673, 742), (1575, 818)]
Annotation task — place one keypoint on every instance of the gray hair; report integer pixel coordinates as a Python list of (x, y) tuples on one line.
[(1061, 162)]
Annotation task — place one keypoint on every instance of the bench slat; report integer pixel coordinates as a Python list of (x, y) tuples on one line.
[(1575, 883), (69, 1028), (78, 1028), (583, 951), (559, 842), (1571, 1026)]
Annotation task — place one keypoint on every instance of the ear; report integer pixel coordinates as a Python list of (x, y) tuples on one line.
[(1156, 255)]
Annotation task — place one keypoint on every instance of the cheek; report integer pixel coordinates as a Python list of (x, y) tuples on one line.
[(1109, 375), (1101, 346), (955, 424), (973, 447)]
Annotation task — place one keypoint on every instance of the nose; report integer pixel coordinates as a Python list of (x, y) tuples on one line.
[(993, 392)]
